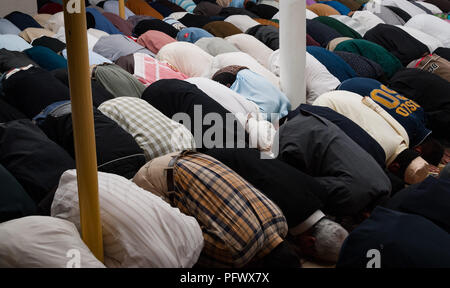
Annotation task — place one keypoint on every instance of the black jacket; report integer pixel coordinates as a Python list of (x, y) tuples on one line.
[(14, 201), (267, 34), (30, 91), (429, 91), (429, 199), (32, 158), (13, 59), (402, 240), (356, 133), (172, 96), (352, 179), (117, 151), (397, 41)]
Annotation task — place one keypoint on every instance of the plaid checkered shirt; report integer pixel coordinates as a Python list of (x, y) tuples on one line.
[(156, 134), (239, 223)]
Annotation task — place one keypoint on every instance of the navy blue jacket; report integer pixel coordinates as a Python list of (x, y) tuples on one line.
[(402, 240)]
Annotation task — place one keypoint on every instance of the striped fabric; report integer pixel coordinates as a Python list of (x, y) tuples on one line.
[(239, 223), (156, 134), (139, 228), (42, 242), (148, 70), (187, 5)]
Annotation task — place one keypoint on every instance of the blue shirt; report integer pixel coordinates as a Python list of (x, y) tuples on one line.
[(257, 89), (335, 64), (407, 112), (102, 23), (94, 58), (6, 27), (237, 3), (192, 34), (39, 119), (13, 43)]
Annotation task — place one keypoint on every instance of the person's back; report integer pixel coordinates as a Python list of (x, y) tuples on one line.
[(365, 112), (429, 199), (183, 101), (240, 224), (432, 25), (398, 234), (298, 195), (351, 105), (407, 112), (353, 180), (117, 151), (429, 91), (355, 132)]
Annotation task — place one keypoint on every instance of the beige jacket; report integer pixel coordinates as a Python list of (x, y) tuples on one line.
[(371, 117)]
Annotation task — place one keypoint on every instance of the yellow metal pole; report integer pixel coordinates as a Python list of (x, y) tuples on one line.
[(83, 125), (122, 8)]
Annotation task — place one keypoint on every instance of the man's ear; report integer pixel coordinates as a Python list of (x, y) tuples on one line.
[(394, 167), (306, 244), (307, 241), (418, 149)]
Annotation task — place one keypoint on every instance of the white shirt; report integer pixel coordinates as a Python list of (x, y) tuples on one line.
[(277, 16), (405, 5), (431, 42), (350, 22), (252, 46), (309, 15), (92, 36), (317, 77), (55, 22), (139, 228), (433, 8), (43, 242), (187, 58), (432, 25), (367, 20), (243, 22), (270, 3)]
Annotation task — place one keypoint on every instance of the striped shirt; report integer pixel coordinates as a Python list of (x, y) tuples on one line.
[(139, 229), (156, 134), (239, 223), (187, 5), (148, 70)]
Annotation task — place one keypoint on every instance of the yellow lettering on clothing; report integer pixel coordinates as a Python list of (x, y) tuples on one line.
[(385, 99)]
